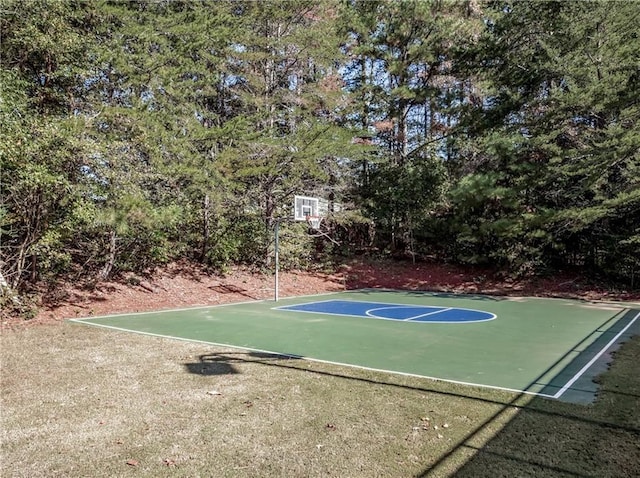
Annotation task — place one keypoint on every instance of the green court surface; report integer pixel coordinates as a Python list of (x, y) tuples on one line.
[(548, 347)]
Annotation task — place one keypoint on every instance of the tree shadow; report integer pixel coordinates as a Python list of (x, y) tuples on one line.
[(558, 438), (473, 394), (542, 437), (233, 289), (60, 295), (551, 438)]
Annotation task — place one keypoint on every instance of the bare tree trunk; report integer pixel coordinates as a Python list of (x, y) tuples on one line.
[(34, 267), (106, 270), (21, 262), (4, 285)]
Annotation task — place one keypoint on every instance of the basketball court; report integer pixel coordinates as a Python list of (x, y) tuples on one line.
[(547, 347)]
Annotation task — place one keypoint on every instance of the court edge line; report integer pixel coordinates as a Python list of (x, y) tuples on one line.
[(620, 303), (302, 357), (588, 365), (199, 307)]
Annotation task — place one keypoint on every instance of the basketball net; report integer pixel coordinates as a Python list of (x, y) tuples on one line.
[(314, 222)]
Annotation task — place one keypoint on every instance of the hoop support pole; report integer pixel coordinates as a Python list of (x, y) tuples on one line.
[(276, 258)]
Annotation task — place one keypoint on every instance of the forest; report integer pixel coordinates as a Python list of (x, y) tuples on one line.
[(486, 133)]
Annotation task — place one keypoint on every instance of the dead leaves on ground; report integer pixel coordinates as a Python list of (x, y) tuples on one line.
[(170, 462), (426, 425)]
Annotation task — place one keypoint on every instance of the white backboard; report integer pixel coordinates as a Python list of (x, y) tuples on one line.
[(305, 206)]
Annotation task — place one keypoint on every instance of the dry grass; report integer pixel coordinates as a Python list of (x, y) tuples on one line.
[(81, 401)]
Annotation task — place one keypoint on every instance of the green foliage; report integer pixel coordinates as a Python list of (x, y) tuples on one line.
[(404, 194), (41, 151), (553, 180), (137, 133), (400, 73), (239, 240)]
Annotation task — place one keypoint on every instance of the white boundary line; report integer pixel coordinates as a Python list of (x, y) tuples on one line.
[(470, 295), (301, 357), (622, 305), (87, 321), (581, 372), (200, 307)]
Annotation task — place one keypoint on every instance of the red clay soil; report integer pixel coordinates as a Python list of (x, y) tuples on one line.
[(179, 286)]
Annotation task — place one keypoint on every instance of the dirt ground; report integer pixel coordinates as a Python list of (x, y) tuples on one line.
[(186, 285)]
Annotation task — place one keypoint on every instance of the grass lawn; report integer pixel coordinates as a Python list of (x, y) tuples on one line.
[(80, 401)]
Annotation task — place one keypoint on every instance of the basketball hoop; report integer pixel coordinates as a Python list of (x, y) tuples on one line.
[(314, 222)]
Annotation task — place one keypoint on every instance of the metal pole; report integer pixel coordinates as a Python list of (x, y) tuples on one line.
[(275, 287)]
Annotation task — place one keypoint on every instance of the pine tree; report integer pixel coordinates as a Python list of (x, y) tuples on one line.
[(555, 181), (286, 136), (156, 88), (401, 73)]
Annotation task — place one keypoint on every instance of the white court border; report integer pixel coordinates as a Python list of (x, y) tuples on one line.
[(557, 395), (593, 360)]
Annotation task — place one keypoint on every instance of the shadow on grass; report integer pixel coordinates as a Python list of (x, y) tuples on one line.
[(223, 364), (471, 393), (554, 439), (211, 367), (550, 438), (542, 437)]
